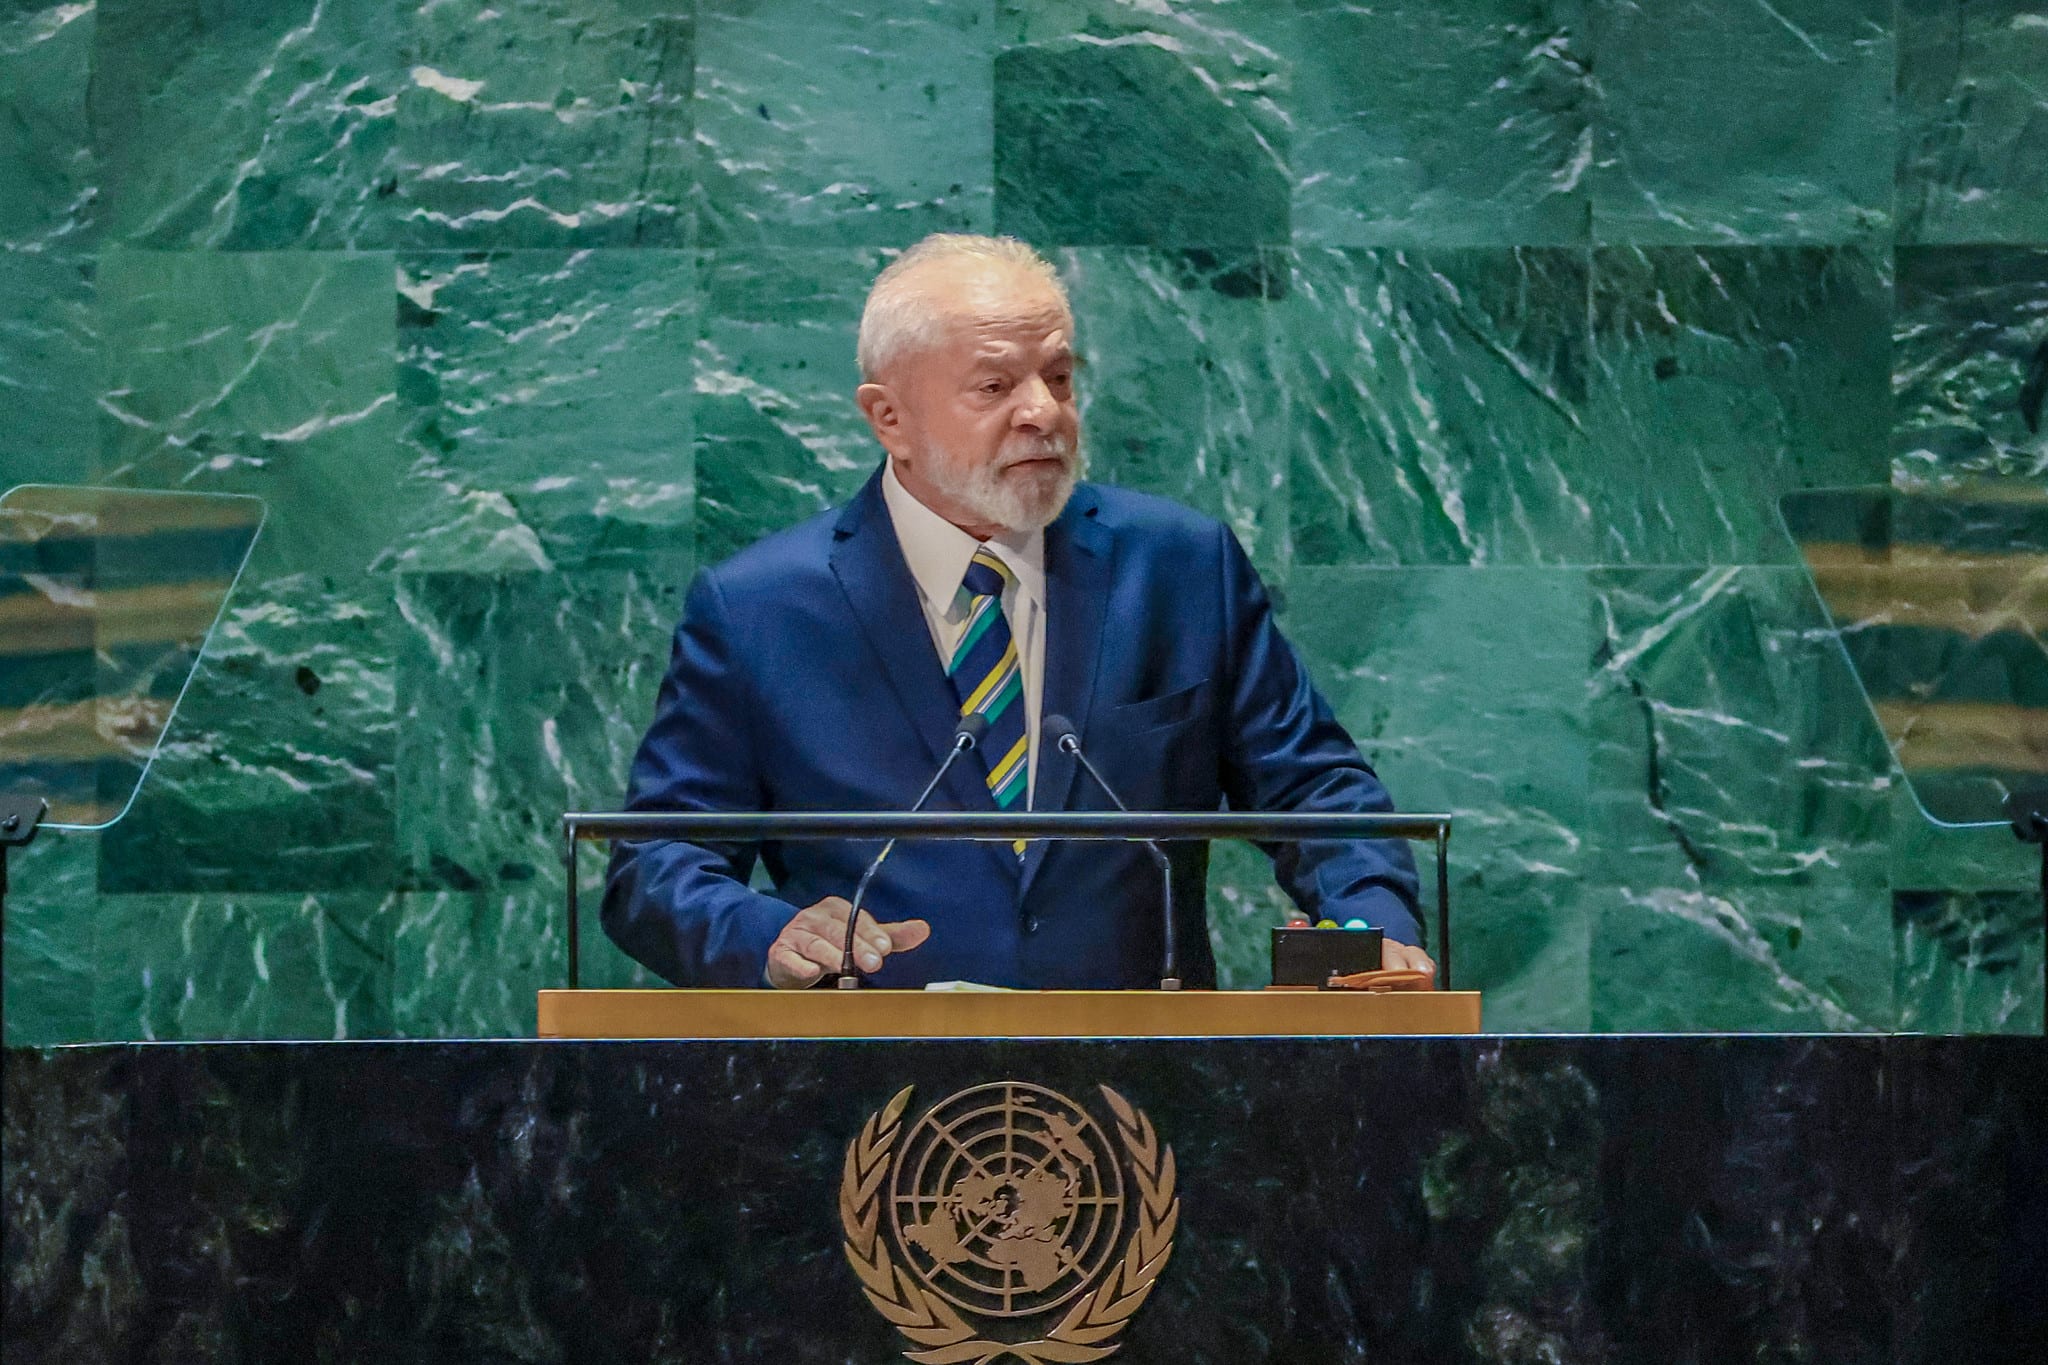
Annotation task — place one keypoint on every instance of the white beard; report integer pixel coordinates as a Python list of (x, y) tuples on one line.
[(1019, 505)]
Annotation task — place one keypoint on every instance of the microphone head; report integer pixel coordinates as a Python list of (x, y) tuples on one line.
[(1059, 730), (972, 727)]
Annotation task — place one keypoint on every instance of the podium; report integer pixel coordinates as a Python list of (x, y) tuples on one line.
[(1850, 1198), (734, 1014)]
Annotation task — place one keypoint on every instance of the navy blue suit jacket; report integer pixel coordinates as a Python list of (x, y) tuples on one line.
[(804, 678)]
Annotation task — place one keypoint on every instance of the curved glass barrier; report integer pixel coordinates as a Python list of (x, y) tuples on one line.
[(1940, 601), (107, 597)]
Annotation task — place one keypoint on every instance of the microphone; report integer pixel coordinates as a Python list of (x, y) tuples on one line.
[(1060, 731), (972, 727)]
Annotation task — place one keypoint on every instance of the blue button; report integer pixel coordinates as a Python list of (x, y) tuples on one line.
[(1356, 924)]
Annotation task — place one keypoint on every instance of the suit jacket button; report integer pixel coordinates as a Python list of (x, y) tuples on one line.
[(1031, 925)]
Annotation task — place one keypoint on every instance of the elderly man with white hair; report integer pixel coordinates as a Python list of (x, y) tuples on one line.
[(829, 665)]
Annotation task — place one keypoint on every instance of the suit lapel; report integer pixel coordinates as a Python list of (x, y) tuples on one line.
[(869, 564), (1080, 562)]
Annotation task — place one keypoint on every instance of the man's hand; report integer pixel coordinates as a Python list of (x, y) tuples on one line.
[(810, 944), (1397, 957)]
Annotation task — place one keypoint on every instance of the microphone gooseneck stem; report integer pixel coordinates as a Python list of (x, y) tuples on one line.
[(860, 892), (849, 974), (1169, 970)]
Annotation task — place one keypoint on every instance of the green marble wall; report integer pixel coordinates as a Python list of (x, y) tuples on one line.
[(1495, 329)]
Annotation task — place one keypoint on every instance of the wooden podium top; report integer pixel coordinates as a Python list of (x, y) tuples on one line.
[(1001, 1014)]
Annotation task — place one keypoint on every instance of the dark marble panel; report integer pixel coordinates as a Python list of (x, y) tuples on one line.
[(778, 435), (545, 401), (51, 887), (546, 123), (66, 1118), (497, 740), (49, 368), (276, 774), (1971, 110), (1972, 1200), (1402, 1200), (1188, 96), (1971, 364), (843, 125), (1779, 1246), (1465, 690), (1439, 407), (1420, 124), (46, 140), (252, 125), (1722, 379), (1730, 121), (263, 373), (1180, 387), (1968, 961), (312, 965)]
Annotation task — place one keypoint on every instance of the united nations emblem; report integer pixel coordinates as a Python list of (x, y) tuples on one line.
[(1007, 1209)]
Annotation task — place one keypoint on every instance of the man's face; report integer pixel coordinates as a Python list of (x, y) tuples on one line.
[(982, 424)]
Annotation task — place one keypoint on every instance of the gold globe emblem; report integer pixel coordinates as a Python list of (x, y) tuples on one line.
[(1008, 1199), (1005, 1202)]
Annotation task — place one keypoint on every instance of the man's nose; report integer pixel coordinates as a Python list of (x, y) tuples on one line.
[(1035, 404)]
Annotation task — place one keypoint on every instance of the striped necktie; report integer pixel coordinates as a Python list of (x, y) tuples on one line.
[(989, 678)]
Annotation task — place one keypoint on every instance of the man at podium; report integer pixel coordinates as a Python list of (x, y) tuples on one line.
[(830, 665)]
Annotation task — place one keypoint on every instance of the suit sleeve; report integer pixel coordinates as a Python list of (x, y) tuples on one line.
[(684, 910), (1285, 751)]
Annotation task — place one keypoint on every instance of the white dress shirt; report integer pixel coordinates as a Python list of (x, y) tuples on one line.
[(938, 553)]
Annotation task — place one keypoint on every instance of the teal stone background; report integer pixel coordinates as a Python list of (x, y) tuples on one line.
[(1494, 330)]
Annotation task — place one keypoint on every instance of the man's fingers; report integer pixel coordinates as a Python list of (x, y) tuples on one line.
[(827, 951), (829, 915), (812, 943), (868, 948), (1402, 957), (787, 968), (827, 920), (871, 938), (874, 941), (803, 954), (907, 934)]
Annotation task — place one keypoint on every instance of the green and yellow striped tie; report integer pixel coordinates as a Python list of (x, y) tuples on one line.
[(989, 678)]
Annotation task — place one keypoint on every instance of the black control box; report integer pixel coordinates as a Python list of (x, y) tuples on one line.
[(1310, 957)]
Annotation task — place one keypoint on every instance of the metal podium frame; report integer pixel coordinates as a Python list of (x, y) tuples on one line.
[(1102, 826)]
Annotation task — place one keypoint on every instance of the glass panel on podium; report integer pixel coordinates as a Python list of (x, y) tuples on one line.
[(1940, 601), (107, 598)]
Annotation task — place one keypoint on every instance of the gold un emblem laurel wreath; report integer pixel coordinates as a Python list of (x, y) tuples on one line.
[(1002, 1203)]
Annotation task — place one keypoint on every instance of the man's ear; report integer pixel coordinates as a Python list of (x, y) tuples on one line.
[(884, 414)]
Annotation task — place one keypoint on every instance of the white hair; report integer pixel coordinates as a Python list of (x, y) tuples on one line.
[(900, 315)]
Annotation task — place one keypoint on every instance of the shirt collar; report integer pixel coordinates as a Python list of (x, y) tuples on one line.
[(938, 552)]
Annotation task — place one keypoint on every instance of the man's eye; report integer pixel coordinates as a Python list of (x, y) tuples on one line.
[(992, 386)]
